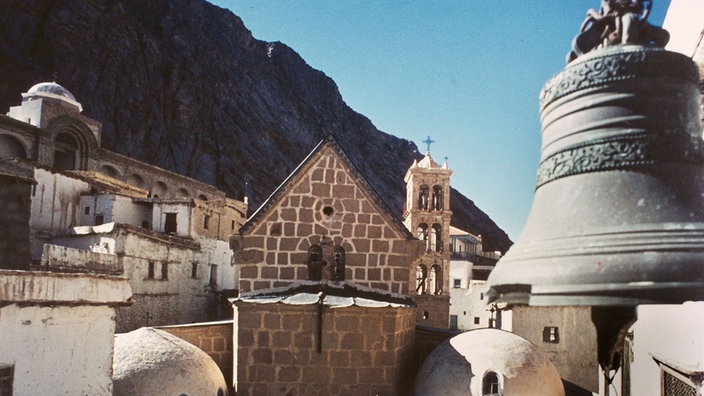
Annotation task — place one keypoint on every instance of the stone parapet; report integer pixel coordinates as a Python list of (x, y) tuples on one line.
[(61, 288)]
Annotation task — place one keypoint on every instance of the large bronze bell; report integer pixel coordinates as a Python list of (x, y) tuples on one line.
[(618, 213)]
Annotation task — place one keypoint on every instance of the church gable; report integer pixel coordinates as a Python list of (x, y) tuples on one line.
[(324, 223)]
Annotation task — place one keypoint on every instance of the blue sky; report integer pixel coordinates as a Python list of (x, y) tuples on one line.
[(466, 72)]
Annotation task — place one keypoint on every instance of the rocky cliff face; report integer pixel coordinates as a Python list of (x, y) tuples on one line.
[(183, 84)]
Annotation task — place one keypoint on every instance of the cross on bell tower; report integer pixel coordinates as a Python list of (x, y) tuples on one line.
[(428, 141)]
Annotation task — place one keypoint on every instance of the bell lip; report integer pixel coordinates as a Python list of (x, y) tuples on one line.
[(609, 294)]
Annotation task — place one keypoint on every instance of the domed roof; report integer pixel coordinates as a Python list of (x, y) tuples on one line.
[(463, 364), (153, 362), (51, 90)]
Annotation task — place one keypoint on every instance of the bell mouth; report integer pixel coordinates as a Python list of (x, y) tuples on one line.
[(626, 265)]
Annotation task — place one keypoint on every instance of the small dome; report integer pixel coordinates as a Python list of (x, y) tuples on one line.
[(153, 362), (479, 360), (54, 91), (50, 88)]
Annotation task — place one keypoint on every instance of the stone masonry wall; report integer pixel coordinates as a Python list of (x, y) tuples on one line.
[(214, 338), (573, 351), (325, 204), (364, 351), (14, 217), (433, 311)]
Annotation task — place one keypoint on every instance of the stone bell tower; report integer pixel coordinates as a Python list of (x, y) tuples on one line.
[(427, 215)]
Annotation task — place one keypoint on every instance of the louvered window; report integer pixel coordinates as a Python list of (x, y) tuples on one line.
[(673, 386)]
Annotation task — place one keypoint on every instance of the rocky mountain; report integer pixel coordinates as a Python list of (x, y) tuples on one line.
[(183, 84)]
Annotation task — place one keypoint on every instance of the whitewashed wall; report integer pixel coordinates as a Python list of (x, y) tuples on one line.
[(183, 217), (59, 331), (674, 333), (219, 253), (114, 208), (56, 201)]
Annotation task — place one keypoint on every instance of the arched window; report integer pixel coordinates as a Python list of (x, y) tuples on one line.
[(423, 233), (435, 280), (436, 238), (10, 147), (182, 193), (315, 263), (421, 279), (436, 200), (160, 190), (338, 264), (135, 180), (491, 385), (433, 240), (109, 171), (423, 197), (65, 152)]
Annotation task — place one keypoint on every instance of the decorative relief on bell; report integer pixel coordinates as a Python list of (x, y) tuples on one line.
[(621, 152), (618, 64)]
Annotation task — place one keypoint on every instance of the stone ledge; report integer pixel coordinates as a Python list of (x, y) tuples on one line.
[(33, 287)]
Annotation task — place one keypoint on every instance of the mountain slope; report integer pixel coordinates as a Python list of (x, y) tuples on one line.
[(183, 84)]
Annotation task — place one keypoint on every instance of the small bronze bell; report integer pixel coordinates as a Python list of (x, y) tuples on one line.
[(618, 213)]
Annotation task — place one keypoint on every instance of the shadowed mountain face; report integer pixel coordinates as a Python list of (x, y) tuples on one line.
[(182, 84)]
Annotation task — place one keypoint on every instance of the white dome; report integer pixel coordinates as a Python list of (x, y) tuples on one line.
[(459, 366), (52, 90), (153, 362)]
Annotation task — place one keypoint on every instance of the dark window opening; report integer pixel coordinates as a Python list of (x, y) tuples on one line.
[(476, 320), (145, 224), (551, 334), (491, 385), (435, 280), (423, 197), (437, 198), (453, 322), (457, 283), (99, 219), (423, 234), (7, 377), (206, 222), (164, 271), (150, 270), (65, 152), (421, 279), (86, 210), (170, 224), (315, 263), (426, 315), (233, 225), (10, 147), (194, 269), (213, 275), (435, 238), (338, 264)]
